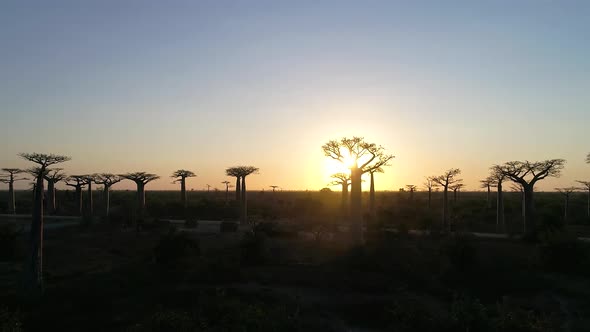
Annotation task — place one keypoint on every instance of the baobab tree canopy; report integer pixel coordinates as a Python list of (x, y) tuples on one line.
[(140, 177), (356, 153), (448, 178), (340, 178), (241, 170), (526, 172), (182, 174), (44, 160), (107, 179), (588, 158)]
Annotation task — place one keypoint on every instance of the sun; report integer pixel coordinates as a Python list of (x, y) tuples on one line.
[(332, 166)]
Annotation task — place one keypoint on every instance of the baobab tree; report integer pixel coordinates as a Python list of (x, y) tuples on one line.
[(456, 188), (566, 192), (89, 180), (226, 191), (411, 188), (588, 158), (446, 180), (372, 172), (10, 180), (140, 179), (78, 182), (488, 183), (33, 279), (181, 175), (273, 188), (235, 172), (242, 172), (343, 180), (497, 179), (361, 157), (586, 187), (430, 184), (527, 174), (52, 177), (107, 180)]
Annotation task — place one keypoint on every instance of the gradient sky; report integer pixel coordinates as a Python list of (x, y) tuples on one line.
[(161, 85)]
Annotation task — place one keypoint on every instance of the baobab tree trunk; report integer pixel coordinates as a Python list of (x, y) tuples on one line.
[(589, 202), (79, 199), (500, 210), (106, 194), (529, 222), (11, 200), (140, 200), (226, 194), (344, 199), (90, 201), (183, 192), (33, 279), (244, 203), (445, 208), (488, 201), (455, 196), (356, 216), (566, 207), (429, 197), (51, 197), (372, 195), (238, 198)]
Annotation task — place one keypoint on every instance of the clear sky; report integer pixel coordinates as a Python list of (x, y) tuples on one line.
[(202, 85)]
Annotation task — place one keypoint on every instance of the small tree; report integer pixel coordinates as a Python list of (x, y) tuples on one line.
[(140, 179), (343, 180), (586, 187), (445, 181), (527, 174), (456, 188), (226, 191), (497, 179), (411, 188), (52, 177), (10, 180), (488, 183), (107, 180), (181, 175), (430, 184), (566, 192), (78, 182), (33, 279)]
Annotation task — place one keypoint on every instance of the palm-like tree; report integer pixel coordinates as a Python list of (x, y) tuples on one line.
[(181, 175), (241, 172)]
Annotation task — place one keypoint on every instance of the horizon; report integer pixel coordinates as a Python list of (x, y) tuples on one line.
[(203, 86)]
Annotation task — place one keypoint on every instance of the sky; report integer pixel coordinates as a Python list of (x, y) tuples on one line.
[(156, 86)]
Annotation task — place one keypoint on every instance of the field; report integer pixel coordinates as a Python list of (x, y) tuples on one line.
[(292, 269)]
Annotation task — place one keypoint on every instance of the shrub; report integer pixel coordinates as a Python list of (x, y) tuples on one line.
[(410, 315), (468, 314), (253, 248), (8, 240), (10, 321), (563, 252), (461, 251), (165, 321), (228, 226), (191, 223), (175, 246), (515, 319)]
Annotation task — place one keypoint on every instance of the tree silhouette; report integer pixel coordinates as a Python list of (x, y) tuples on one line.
[(33, 279), (372, 172), (235, 172), (11, 178), (586, 187), (362, 157), (273, 188), (226, 191), (488, 183), (107, 180), (445, 181), (588, 158), (140, 179), (242, 172), (52, 177), (527, 174), (411, 188), (430, 184), (566, 192), (456, 188), (89, 179), (181, 175), (497, 179), (343, 180), (78, 182)]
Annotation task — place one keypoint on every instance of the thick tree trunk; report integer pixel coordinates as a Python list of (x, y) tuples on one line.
[(372, 195), (11, 200), (589, 203), (33, 279), (445, 219), (79, 199), (529, 222), (500, 220), (488, 200), (140, 200), (411, 195), (344, 199), (244, 203), (106, 193), (226, 194), (356, 215), (429, 197), (455, 196), (567, 203), (183, 192), (238, 188), (51, 197)]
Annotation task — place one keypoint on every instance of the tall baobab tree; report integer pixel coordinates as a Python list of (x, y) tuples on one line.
[(488, 183), (586, 187), (497, 179), (11, 178), (140, 179), (234, 172), (242, 172), (430, 184), (456, 188), (52, 177), (446, 180), (33, 279), (107, 180), (411, 188), (226, 191), (566, 192), (361, 157), (181, 175), (78, 182), (89, 180), (527, 174), (343, 180)]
